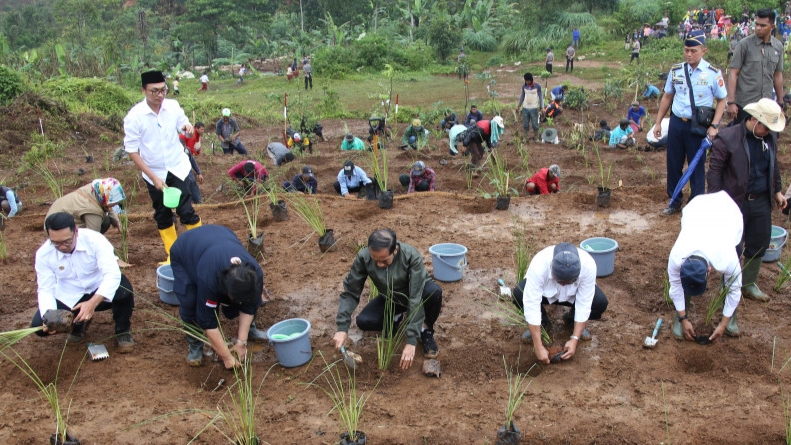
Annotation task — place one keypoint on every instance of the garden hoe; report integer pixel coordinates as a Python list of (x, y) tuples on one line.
[(505, 291), (650, 342)]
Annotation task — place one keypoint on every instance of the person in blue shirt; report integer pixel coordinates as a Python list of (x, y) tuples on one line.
[(212, 270), (473, 116), (559, 92), (351, 179), (304, 183), (651, 92), (575, 37), (622, 136), (706, 84), (636, 114)]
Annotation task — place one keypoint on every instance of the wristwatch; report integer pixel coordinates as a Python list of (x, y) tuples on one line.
[(716, 126), (680, 319), (574, 337)]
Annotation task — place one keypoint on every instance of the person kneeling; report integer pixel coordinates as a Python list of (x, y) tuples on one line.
[(621, 137), (544, 182)]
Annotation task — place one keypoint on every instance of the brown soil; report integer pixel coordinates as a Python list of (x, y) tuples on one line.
[(612, 392)]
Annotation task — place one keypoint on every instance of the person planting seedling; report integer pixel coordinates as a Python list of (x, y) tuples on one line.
[(711, 227), (565, 275), (397, 270), (92, 205), (212, 269)]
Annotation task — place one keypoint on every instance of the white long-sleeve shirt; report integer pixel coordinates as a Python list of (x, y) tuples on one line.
[(711, 227), (65, 277), (541, 284), (156, 138)]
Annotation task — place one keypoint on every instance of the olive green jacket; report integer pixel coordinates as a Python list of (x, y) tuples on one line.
[(403, 280)]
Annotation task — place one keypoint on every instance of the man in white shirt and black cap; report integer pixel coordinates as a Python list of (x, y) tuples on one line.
[(151, 138), (711, 227), (565, 275), (351, 179), (76, 270)]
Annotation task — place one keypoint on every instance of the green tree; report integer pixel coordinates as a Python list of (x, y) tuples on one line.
[(442, 37), (212, 17)]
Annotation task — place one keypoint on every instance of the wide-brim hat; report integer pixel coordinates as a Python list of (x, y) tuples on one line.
[(767, 112)]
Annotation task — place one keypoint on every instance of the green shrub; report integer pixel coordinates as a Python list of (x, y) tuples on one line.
[(334, 60), (11, 85), (576, 98), (495, 61), (89, 95)]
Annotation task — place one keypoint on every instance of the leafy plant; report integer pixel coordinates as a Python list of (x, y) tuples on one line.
[(510, 314), (387, 343), (576, 98), (239, 408), (309, 210), (783, 276), (252, 206), (604, 173), (522, 254), (499, 177), (11, 85), (379, 167), (343, 395), (517, 387), (716, 303)]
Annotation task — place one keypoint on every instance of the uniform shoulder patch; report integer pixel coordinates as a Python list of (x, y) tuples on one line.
[(714, 68), (677, 66)]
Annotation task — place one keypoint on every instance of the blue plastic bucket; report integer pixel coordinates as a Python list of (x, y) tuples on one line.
[(165, 285), (779, 238), (603, 252), (291, 341), (449, 261)]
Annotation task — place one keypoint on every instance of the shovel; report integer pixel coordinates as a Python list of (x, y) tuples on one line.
[(350, 358), (505, 291), (650, 342)]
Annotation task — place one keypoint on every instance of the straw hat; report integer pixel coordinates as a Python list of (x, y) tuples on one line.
[(769, 113)]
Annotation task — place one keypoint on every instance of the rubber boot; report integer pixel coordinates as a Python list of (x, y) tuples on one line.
[(195, 355), (527, 336), (731, 329), (169, 236), (678, 331), (193, 226), (256, 334), (750, 290)]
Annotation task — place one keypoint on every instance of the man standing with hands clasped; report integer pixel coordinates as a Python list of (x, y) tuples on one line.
[(152, 140)]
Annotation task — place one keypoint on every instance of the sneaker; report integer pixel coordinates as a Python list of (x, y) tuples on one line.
[(78, 332), (430, 349), (125, 342), (670, 210), (256, 334)]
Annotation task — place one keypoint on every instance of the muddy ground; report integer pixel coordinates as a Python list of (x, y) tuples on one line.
[(612, 392)]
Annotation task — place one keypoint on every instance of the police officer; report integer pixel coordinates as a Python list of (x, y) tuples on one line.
[(707, 83)]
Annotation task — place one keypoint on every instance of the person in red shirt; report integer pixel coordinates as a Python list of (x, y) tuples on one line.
[(194, 143), (544, 182), (249, 174)]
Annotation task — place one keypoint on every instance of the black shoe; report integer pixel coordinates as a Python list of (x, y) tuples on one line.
[(78, 332), (670, 210), (430, 349), (125, 342)]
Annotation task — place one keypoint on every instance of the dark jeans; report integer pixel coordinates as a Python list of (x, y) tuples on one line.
[(308, 80), (122, 305), (549, 67), (681, 148), (598, 306), (194, 190), (757, 217), (570, 63), (238, 146), (371, 318), (337, 187), (635, 56), (164, 215)]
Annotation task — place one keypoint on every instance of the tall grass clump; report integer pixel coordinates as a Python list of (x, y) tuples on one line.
[(522, 254), (252, 206), (309, 210), (10, 338), (517, 387), (379, 167), (391, 337), (716, 303)]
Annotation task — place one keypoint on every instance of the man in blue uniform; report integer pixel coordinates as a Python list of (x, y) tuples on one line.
[(706, 84), (211, 268)]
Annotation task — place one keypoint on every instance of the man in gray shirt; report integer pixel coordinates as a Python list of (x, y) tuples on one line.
[(279, 153), (756, 70), (227, 129), (308, 74)]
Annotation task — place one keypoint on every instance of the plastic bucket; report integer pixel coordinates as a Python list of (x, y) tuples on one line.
[(779, 238), (291, 342), (171, 196), (603, 252), (449, 261), (165, 285)]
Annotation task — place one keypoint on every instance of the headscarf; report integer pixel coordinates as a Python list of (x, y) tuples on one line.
[(108, 191)]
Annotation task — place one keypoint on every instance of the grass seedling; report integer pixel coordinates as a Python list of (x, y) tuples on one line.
[(3, 249), (373, 291), (124, 220), (49, 178), (604, 173), (10, 338), (390, 339), (499, 177), (667, 422), (272, 190), (343, 395), (509, 314), (517, 387), (252, 206), (309, 210), (522, 254), (782, 277), (379, 167), (716, 303), (666, 291), (238, 409)]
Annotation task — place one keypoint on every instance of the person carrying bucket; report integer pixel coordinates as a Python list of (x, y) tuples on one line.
[(212, 269), (397, 270), (151, 138), (711, 227), (744, 164), (565, 275)]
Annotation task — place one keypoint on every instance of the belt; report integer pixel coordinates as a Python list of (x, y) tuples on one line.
[(685, 119), (754, 196)]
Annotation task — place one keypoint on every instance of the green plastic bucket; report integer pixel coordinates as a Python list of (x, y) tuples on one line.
[(171, 197), (779, 238), (603, 252), (291, 341)]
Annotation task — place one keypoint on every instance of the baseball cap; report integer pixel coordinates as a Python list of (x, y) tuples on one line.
[(555, 169), (419, 167), (635, 103), (297, 137), (499, 121), (694, 272), (307, 170), (769, 113), (349, 137), (348, 168), (566, 264), (226, 112), (416, 123)]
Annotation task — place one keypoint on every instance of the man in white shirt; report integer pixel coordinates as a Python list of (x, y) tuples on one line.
[(565, 275), (152, 140), (76, 270), (711, 228)]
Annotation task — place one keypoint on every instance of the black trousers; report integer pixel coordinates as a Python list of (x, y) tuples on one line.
[(122, 305), (308, 80), (421, 186), (337, 187), (164, 215), (371, 318), (549, 67), (598, 306), (570, 63), (757, 217)]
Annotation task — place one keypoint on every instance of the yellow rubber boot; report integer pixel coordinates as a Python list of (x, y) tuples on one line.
[(193, 226), (169, 236)]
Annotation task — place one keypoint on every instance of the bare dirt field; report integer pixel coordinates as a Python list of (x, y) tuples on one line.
[(612, 392)]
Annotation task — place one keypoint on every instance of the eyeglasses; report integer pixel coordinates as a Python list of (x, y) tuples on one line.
[(158, 91), (65, 242)]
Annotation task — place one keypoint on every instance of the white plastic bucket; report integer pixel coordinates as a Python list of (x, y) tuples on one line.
[(449, 261), (291, 341), (165, 285), (603, 252), (779, 238)]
